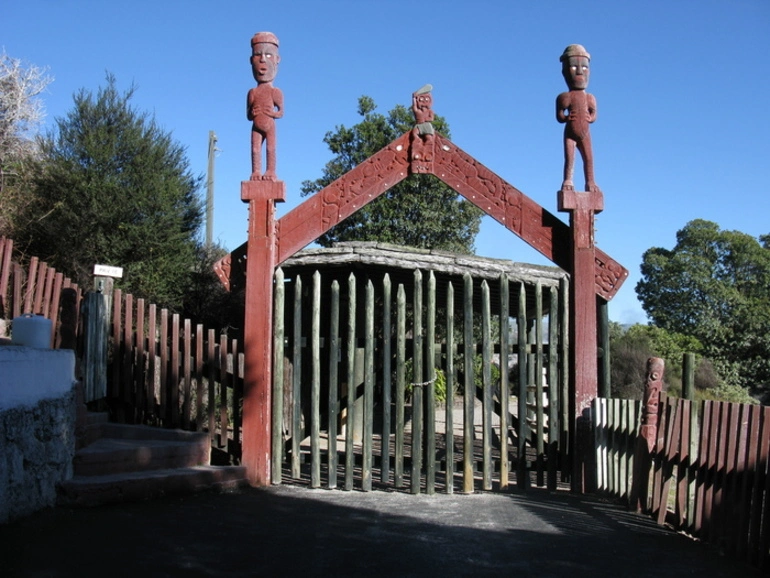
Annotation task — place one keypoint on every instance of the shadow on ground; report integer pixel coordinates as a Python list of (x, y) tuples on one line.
[(291, 531)]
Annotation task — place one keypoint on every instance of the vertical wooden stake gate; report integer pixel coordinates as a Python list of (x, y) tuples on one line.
[(367, 368)]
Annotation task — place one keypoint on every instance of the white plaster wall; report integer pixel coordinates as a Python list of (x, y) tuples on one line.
[(28, 375), (37, 427)]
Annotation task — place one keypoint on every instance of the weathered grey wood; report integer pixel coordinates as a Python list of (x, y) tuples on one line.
[(599, 425), (486, 381), (553, 390), (565, 443), (417, 385), (469, 385), (199, 361), (522, 475), (174, 385), (604, 346), (386, 379), (279, 334), (224, 379), (351, 387), (400, 384), (692, 470), (141, 377), (186, 372), (296, 427), (614, 454), (505, 327), (688, 376), (315, 385), (212, 361), (334, 403), (614, 450), (441, 262), (430, 388), (450, 387), (621, 475), (96, 328), (539, 413), (366, 477)]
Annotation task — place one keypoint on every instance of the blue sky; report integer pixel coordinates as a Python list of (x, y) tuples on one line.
[(682, 131)]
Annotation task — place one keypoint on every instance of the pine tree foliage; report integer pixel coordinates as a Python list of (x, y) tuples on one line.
[(114, 188)]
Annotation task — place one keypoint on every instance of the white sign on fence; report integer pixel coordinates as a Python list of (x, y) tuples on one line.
[(108, 271)]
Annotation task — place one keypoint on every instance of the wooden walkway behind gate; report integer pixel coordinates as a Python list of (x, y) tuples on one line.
[(394, 341)]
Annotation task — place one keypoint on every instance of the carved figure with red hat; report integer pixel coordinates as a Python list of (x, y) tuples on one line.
[(264, 104)]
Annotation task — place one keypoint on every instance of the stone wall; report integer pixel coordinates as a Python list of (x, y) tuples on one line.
[(37, 427)]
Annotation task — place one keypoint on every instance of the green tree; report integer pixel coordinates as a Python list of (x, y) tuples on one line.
[(421, 211), (206, 300), (114, 188), (715, 286), (631, 347)]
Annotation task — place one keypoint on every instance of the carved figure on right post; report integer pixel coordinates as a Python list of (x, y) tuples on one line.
[(576, 109), (264, 104)]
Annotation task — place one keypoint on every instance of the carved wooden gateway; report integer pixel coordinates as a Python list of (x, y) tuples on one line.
[(272, 241)]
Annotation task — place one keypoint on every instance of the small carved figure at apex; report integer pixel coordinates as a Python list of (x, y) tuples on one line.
[(422, 133), (264, 104), (577, 110)]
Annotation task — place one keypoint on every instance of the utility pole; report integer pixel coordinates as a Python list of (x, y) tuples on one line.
[(210, 189)]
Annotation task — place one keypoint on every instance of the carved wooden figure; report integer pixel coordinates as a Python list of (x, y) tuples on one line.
[(264, 104), (423, 135), (648, 432), (576, 109), (652, 389)]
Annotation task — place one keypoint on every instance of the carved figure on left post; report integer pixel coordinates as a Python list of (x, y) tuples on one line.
[(264, 104), (577, 110)]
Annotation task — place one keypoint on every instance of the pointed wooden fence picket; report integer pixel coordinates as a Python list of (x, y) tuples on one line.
[(358, 364), (709, 473), (168, 372), (164, 370)]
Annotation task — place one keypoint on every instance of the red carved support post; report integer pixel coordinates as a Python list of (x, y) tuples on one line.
[(258, 326), (583, 363), (648, 433)]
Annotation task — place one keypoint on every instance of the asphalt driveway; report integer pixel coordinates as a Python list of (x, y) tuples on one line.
[(294, 531)]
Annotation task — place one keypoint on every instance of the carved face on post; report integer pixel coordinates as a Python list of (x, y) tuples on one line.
[(264, 57), (422, 103), (576, 67)]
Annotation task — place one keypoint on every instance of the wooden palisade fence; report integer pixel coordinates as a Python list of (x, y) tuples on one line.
[(40, 290), (709, 472), (388, 344), (164, 370)]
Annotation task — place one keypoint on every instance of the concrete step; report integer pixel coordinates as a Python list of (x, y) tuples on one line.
[(97, 417), (140, 432), (131, 486), (118, 462), (108, 455)]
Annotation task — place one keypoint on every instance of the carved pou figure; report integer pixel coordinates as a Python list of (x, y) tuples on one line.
[(577, 110), (422, 133), (264, 104)]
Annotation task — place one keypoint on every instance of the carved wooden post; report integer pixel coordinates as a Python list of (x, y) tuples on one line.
[(648, 432), (652, 389), (584, 375), (258, 326)]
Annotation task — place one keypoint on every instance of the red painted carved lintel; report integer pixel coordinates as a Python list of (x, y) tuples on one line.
[(502, 201)]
